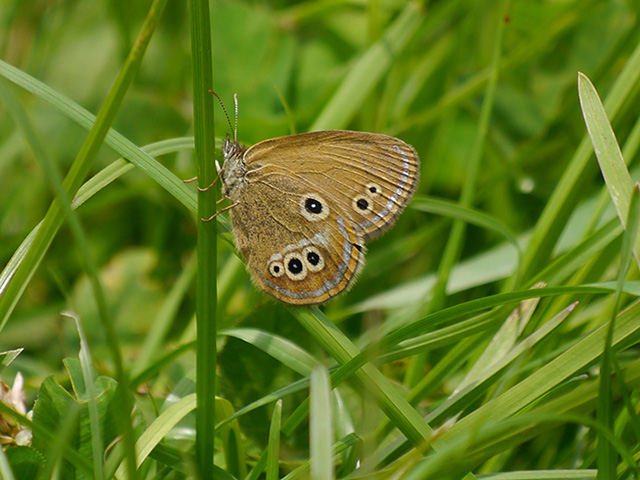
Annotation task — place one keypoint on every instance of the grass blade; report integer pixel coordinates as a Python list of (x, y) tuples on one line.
[(274, 442), (160, 427), (206, 288), (606, 453), (612, 165), (118, 142), (320, 425)]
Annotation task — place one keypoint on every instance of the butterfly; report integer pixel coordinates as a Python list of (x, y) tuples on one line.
[(303, 206)]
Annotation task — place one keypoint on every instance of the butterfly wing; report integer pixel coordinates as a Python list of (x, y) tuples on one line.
[(369, 177), (296, 246)]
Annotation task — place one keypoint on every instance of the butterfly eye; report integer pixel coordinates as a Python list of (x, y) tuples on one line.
[(362, 204), (313, 207), (313, 258), (276, 269), (295, 266)]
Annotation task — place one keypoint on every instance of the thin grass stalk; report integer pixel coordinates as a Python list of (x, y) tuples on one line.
[(606, 453), (206, 301), (273, 450)]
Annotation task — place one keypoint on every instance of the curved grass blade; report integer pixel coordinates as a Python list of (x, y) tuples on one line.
[(89, 382), (612, 165), (466, 214), (155, 432), (119, 143), (283, 350)]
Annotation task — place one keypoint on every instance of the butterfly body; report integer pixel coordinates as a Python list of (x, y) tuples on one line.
[(305, 204)]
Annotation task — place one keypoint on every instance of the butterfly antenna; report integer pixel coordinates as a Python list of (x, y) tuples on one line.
[(235, 132), (227, 115)]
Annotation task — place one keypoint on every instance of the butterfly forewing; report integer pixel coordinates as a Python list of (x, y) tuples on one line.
[(369, 177)]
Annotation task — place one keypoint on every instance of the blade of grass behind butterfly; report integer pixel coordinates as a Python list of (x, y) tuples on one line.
[(606, 453), (206, 283), (468, 215)]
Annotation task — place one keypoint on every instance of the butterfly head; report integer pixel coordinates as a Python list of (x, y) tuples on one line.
[(234, 168)]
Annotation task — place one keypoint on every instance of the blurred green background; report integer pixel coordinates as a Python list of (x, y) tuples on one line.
[(429, 92)]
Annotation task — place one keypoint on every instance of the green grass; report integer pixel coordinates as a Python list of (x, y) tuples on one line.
[(493, 332)]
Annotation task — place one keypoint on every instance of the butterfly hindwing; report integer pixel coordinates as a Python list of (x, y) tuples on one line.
[(297, 258)]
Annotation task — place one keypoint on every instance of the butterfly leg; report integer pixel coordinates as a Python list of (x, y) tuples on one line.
[(215, 180), (219, 212)]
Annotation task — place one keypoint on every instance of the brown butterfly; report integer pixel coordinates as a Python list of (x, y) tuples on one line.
[(304, 205)]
